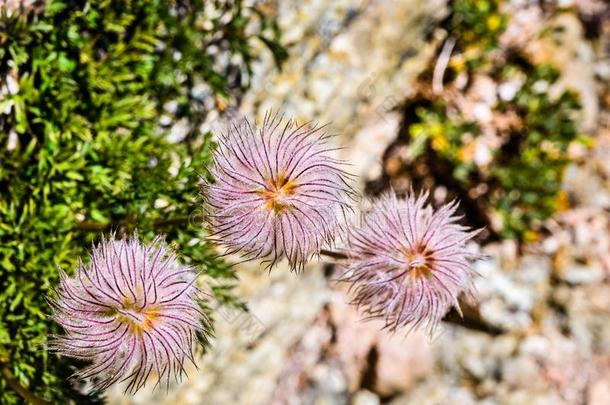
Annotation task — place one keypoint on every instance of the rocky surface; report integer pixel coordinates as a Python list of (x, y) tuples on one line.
[(544, 309)]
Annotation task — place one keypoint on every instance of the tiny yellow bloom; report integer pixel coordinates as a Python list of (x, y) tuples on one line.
[(531, 236), (493, 22)]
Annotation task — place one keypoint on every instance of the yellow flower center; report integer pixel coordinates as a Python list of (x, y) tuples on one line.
[(138, 319), (276, 192), (418, 265)]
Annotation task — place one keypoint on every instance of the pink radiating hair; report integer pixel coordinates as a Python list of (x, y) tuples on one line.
[(131, 311), (277, 191), (407, 263)]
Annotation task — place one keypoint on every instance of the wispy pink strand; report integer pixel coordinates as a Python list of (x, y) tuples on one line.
[(251, 165), (407, 263), (132, 311)]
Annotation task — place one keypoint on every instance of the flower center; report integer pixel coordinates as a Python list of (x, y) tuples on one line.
[(277, 192), (418, 265), (138, 319)]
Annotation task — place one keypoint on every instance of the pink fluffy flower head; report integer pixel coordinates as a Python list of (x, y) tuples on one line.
[(132, 312), (277, 191), (408, 263)]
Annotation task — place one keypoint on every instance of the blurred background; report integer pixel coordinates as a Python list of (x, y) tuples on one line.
[(106, 111)]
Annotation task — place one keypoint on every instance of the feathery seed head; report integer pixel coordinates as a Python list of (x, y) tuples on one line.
[(277, 191), (132, 312), (408, 263)]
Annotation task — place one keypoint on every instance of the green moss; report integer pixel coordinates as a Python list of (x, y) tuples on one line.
[(476, 25), (523, 178), (90, 156)]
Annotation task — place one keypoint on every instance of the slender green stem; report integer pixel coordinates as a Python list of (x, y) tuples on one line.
[(91, 226), (26, 394)]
